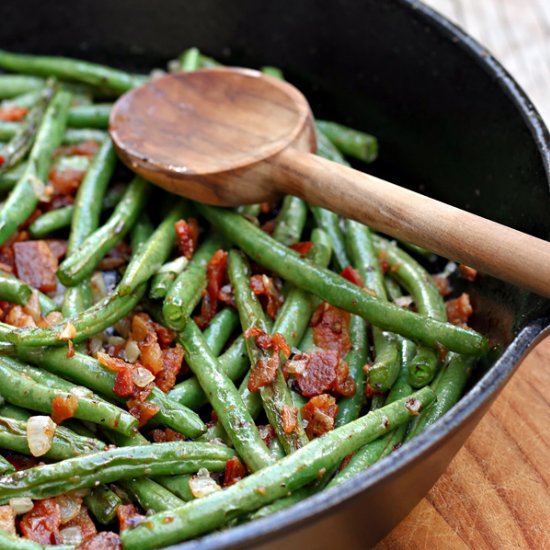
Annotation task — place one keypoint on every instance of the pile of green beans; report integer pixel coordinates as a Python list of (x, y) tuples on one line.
[(124, 260)]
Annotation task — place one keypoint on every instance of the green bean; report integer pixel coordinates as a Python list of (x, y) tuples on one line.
[(24, 197), (448, 387), (9, 178), (5, 466), (12, 85), (330, 222), (21, 143), (90, 116), (382, 373), (13, 290), (273, 72), (26, 100), (225, 399), (78, 135), (70, 69), (8, 130), (291, 220), (208, 63), (190, 59), (180, 457), (102, 503), (428, 302), (326, 149), (276, 395), (185, 293), (27, 386), (222, 325), (89, 372), (147, 261), (341, 293), (233, 363), (51, 221), (65, 443), (249, 210), (150, 495), (13, 542), (101, 315), (273, 482), (82, 262), (165, 277), (375, 450), (351, 142)]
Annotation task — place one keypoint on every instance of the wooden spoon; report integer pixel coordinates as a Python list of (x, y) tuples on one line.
[(235, 136)]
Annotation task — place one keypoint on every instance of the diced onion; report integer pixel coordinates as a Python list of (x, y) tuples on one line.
[(96, 345), (176, 266), (69, 507), (131, 351), (7, 519), (21, 505), (68, 332), (32, 307), (71, 535), (115, 340), (202, 484), (141, 377), (403, 301), (40, 432), (97, 284), (54, 317)]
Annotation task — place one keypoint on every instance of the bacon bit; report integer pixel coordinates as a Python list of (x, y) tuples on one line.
[(7, 519), (302, 248), (128, 516), (267, 207), (124, 383), (167, 435), (68, 332), (42, 523), (151, 354), (36, 265), (319, 372), (352, 275), (172, 361), (84, 522), (267, 433), (264, 371), (468, 273), (346, 461), (187, 233), (116, 257), (58, 247), (216, 274), (289, 417), (262, 285), (165, 335), (86, 148), (67, 181), (459, 310), (319, 413), (235, 470), (331, 328), (105, 540), (13, 114), (20, 462), (443, 285), (268, 227), (370, 392), (64, 407), (142, 410), (383, 261), (225, 295), (17, 317), (2, 160)]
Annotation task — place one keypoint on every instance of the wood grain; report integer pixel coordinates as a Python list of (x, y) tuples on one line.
[(496, 492)]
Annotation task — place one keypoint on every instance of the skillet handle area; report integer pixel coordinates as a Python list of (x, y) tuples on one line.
[(487, 246)]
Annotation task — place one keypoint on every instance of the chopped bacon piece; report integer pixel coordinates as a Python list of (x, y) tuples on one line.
[(235, 470), (20, 462), (289, 417), (268, 227), (86, 148), (84, 522), (187, 233), (13, 114), (102, 541), (267, 207), (383, 261), (128, 516), (172, 360), (443, 285), (36, 265), (216, 274), (18, 317), (345, 462), (468, 273), (66, 181), (319, 413), (302, 248), (267, 433), (162, 436), (42, 523), (459, 310), (117, 256), (2, 160), (352, 275), (319, 372), (165, 335), (58, 247), (331, 328), (142, 410), (64, 407), (262, 285), (264, 371), (142, 326), (124, 383)]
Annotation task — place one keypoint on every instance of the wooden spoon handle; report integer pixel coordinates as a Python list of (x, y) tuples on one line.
[(453, 233)]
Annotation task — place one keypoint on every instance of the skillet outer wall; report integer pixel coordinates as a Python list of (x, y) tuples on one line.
[(451, 124)]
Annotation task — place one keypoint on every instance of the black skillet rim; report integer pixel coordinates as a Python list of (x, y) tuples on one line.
[(484, 391)]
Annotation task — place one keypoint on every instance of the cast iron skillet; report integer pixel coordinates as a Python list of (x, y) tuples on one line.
[(451, 123)]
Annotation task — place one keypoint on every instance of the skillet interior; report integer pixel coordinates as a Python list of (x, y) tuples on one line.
[(450, 121)]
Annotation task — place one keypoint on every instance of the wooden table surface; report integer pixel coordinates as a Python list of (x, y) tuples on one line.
[(495, 494)]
